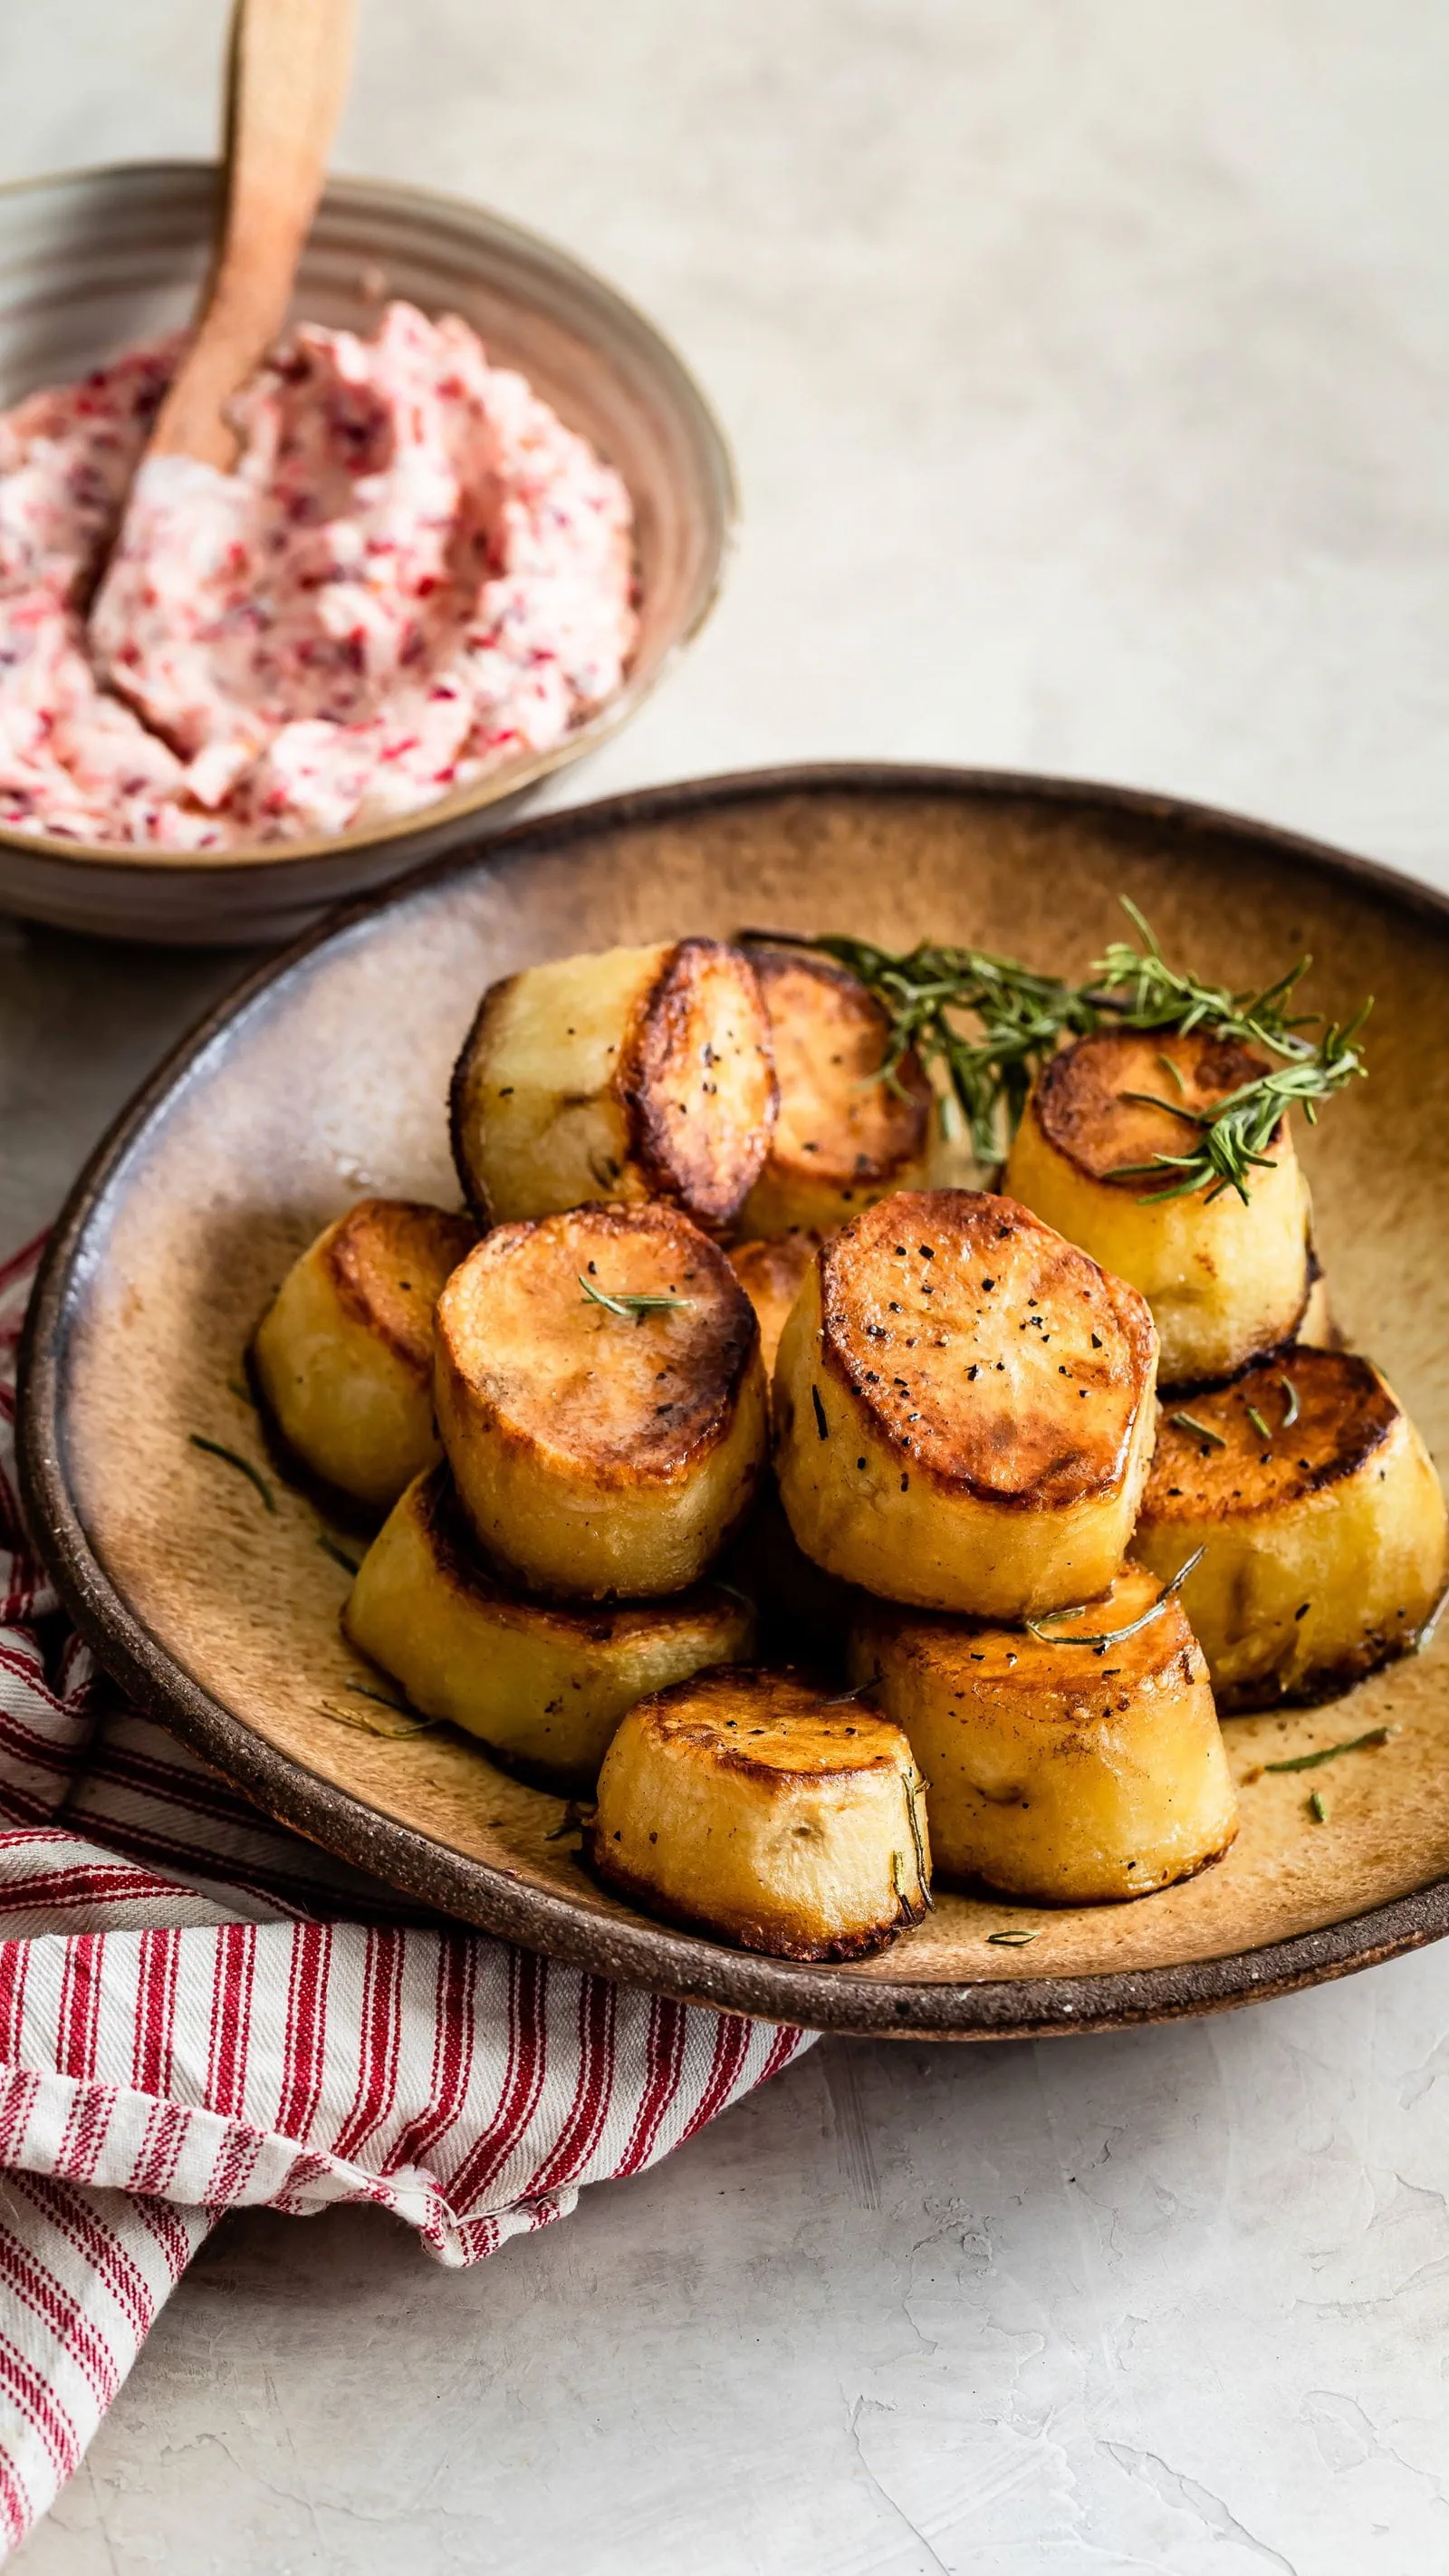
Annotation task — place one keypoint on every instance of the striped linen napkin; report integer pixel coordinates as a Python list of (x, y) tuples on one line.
[(199, 2012)]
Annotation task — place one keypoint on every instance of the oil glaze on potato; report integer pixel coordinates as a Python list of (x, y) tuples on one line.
[(1057, 1772), (1325, 1540), (543, 1686), (638, 1073), (841, 1138), (343, 1356), (964, 1406), (596, 1452), (1226, 1281), (746, 1805)]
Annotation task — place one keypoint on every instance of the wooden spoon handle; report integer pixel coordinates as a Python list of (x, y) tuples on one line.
[(287, 79)]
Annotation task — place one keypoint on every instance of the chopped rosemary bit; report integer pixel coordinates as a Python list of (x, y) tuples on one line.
[(338, 1554), (238, 1387), (1259, 1425), (1204, 1430), (1331, 1752), (243, 1466), (1317, 1808), (1021, 1018), (1012, 1940), (368, 1726), (1291, 1391), (1113, 1636), (632, 1304), (575, 1816), (1170, 1065)]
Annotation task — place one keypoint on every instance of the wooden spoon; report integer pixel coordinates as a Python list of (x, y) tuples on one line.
[(286, 81)]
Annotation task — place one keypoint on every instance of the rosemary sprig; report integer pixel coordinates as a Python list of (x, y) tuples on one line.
[(1331, 1752), (633, 1305), (1021, 1018), (243, 1466), (1114, 1636)]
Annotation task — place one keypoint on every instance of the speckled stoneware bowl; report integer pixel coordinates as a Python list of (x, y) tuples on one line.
[(326, 1076), (96, 259)]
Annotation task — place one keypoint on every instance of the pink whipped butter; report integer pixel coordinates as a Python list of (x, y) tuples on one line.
[(415, 573)]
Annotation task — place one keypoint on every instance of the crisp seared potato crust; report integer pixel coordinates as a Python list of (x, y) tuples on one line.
[(1326, 1541), (1226, 1282), (965, 1408), (599, 1453), (639, 1073), (841, 1138), (344, 1354), (770, 1273), (543, 1686), (746, 1804), (1068, 1774)]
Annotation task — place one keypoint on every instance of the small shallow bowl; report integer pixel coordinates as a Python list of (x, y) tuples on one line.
[(326, 1075), (97, 259)]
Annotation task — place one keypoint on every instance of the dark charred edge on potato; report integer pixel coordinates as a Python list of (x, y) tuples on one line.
[(469, 1569), (769, 959), (470, 1181), (1331, 1681), (1240, 1064), (1344, 1464), (1107, 1481), (738, 1344), (353, 1297), (963, 1882), (646, 1046), (745, 1935), (330, 1502)]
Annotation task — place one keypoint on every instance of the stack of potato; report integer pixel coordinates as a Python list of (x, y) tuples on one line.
[(564, 1399)]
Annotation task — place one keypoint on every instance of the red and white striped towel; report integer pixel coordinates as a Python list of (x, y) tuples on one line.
[(200, 2013)]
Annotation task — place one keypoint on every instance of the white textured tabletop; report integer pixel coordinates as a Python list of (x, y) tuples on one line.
[(1087, 371)]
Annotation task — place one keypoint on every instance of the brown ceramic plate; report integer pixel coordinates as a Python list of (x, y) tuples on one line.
[(325, 1076)]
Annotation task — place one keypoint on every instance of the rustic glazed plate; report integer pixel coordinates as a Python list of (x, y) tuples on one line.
[(325, 1077)]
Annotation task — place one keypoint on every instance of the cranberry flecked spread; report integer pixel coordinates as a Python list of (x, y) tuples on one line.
[(414, 574)]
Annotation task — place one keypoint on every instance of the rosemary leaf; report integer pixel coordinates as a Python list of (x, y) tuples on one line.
[(1039, 1629), (338, 1554), (1203, 1430), (1291, 1391), (633, 1305), (1011, 1940), (1259, 1425), (1317, 1808), (1331, 1752), (243, 1466)]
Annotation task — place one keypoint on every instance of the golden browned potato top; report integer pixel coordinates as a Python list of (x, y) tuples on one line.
[(773, 1725), (697, 1079), (1213, 1460), (464, 1568), (389, 1260), (829, 1037), (1085, 1107), (632, 1396), (987, 1347), (964, 1657), (770, 1273)]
